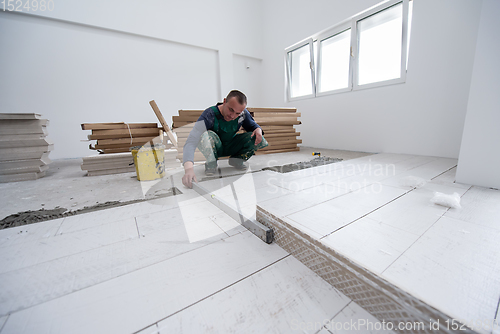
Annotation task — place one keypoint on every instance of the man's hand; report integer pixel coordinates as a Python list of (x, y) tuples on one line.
[(189, 175), (258, 135)]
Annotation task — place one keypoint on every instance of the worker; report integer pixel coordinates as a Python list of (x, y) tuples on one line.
[(215, 135)]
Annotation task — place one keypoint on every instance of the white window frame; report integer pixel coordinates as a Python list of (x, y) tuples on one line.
[(288, 70), (351, 24), (355, 45), (321, 37)]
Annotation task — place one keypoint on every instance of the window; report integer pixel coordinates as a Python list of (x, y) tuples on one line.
[(367, 50), (334, 57), (379, 46), (300, 64)]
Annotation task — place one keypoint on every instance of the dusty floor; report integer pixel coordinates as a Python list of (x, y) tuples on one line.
[(67, 186)]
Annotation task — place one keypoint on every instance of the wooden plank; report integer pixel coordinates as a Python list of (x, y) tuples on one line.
[(114, 134), (20, 116), (276, 147), (181, 124), (136, 142), (261, 123), (279, 141), (275, 119), (188, 127), (285, 110), (259, 152), (279, 115), (269, 128), (127, 141), (290, 130), (157, 111), (111, 150), (184, 118), (282, 135), (182, 111), (266, 122), (121, 125)]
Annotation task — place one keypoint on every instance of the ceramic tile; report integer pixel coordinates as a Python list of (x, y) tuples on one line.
[(21, 255), (93, 219), (454, 267), (52, 279), (3, 320), (425, 171), (371, 244), (29, 233), (266, 193), (150, 330), (354, 319), (414, 212), (122, 305), (227, 224), (331, 215), (283, 298), (480, 206), (448, 178), (294, 202)]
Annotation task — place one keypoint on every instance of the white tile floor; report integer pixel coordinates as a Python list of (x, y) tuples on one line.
[(179, 265), (369, 211), (172, 265)]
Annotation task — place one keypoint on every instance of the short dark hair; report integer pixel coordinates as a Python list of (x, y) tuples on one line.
[(242, 99)]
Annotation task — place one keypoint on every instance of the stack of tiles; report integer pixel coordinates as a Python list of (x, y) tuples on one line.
[(24, 147), (277, 124), (105, 164), (116, 163)]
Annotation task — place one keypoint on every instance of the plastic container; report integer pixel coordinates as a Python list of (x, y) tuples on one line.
[(149, 162)]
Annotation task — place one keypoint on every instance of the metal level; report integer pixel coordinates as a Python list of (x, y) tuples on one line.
[(263, 232)]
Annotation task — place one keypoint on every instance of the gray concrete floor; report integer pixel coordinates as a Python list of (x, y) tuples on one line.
[(67, 186)]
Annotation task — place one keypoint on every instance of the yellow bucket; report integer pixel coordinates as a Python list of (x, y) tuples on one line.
[(149, 162)]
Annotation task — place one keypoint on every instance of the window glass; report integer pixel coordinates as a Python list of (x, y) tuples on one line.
[(334, 67), (300, 71), (379, 45)]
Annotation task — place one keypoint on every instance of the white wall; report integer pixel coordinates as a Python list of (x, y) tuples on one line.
[(424, 116), (479, 161), (247, 74), (103, 61)]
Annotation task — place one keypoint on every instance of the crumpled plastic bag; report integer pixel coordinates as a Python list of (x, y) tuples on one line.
[(450, 201)]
